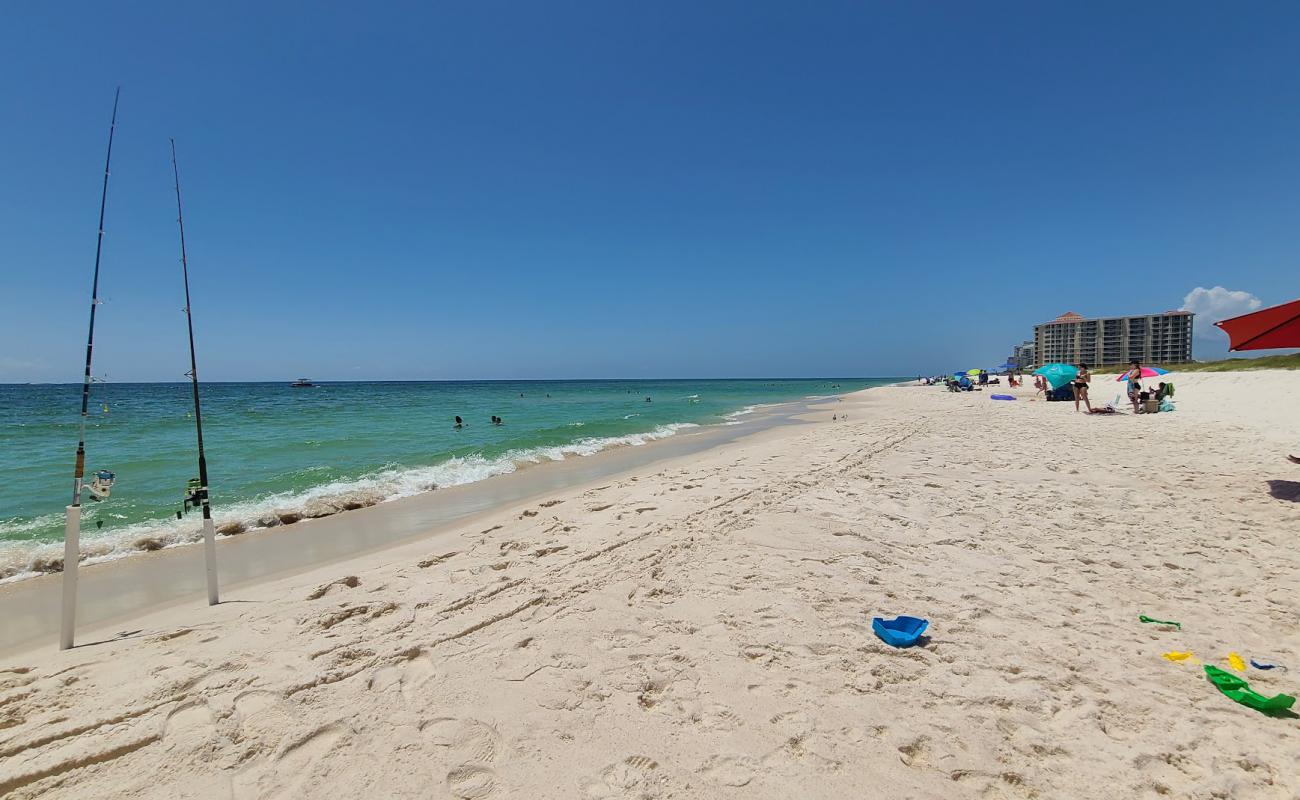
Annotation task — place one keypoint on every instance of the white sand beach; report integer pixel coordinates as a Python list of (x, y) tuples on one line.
[(700, 627)]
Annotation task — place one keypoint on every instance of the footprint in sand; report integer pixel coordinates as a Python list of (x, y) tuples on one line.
[(634, 776), (465, 741), (472, 745), (188, 726), (729, 770), (914, 753), (410, 676), (261, 716), (470, 781), (718, 717), (291, 769)]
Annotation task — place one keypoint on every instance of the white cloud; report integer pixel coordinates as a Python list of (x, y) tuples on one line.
[(1214, 305)]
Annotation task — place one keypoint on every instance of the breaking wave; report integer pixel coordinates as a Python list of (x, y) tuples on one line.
[(23, 559)]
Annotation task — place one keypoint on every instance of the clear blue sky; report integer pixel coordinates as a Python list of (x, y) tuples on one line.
[(591, 189)]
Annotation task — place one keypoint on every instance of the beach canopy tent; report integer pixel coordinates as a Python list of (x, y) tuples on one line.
[(1266, 329), (1058, 374)]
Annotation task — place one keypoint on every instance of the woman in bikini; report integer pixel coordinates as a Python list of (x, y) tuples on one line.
[(1135, 386), (1081, 382)]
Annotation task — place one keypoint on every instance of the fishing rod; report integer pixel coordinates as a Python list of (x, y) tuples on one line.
[(197, 491), (104, 480)]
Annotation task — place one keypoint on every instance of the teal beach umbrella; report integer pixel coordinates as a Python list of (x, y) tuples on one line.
[(1058, 374)]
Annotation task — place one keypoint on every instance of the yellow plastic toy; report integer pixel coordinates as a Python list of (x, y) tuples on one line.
[(1236, 663), (1174, 655)]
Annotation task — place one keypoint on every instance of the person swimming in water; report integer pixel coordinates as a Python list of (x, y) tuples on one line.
[(459, 423)]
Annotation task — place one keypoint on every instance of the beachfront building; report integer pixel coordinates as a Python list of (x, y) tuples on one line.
[(1152, 338), (1022, 356)]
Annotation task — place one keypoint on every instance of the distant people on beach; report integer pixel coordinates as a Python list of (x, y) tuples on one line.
[(1081, 381), (1040, 383)]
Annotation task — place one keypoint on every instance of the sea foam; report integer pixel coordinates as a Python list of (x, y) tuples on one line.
[(23, 559)]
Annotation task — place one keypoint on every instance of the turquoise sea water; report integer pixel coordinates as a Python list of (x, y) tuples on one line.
[(274, 448)]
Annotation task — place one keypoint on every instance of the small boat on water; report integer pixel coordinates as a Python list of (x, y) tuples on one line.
[(302, 383)]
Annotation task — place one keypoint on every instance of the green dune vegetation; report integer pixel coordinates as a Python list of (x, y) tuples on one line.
[(1231, 364), (1291, 361)]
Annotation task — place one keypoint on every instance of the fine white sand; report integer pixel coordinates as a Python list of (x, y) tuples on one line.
[(701, 627)]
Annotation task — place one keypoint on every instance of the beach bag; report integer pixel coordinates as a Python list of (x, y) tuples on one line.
[(1169, 390)]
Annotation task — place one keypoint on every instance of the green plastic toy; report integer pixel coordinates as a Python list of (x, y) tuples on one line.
[(1145, 618), (1237, 689)]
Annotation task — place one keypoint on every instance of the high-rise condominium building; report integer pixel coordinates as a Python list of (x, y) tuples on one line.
[(1151, 338)]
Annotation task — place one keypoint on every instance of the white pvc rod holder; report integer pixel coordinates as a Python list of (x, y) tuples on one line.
[(71, 555), (210, 556)]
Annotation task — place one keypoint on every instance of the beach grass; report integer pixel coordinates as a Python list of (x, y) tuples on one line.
[(1291, 361), (1240, 364)]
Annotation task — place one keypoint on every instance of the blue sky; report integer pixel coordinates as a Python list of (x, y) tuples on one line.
[(593, 189)]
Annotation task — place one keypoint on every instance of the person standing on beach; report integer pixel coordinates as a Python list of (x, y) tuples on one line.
[(1081, 382), (1134, 376)]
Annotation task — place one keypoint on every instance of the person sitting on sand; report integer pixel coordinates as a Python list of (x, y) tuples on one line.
[(1081, 381), (1134, 376)]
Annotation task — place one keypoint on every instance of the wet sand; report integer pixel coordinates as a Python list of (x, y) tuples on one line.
[(115, 591)]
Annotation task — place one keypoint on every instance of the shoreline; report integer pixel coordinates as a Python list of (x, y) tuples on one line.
[(700, 626), (298, 476), (130, 583)]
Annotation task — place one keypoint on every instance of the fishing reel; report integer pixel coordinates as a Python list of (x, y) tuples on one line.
[(101, 486), (194, 497)]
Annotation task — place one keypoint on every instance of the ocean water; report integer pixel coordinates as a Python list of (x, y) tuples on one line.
[(274, 451)]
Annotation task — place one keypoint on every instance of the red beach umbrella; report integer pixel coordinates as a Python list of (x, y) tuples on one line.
[(1266, 329)]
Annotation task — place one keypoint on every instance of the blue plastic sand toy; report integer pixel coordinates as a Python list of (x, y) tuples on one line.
[(1001, 397), (899, 631)]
